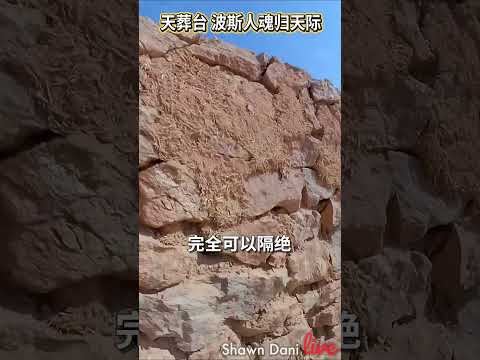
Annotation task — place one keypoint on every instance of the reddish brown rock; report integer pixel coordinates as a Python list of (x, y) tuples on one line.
[(153, 43), (264, 226), (228, 142), (168, 194), (239, 61), (147, 153), (279, 74), (267, 191)]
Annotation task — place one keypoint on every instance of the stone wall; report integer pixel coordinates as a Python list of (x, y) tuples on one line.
[(234, 143), (68, 179), (410, 229)]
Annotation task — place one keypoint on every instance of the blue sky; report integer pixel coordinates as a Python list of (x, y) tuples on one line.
[(319, 54)]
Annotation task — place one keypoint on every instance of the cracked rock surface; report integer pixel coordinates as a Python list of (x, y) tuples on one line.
[(232, 143), (410, 178), (67, 189)]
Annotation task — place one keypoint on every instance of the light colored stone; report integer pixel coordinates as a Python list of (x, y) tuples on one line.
[(266, 225), (314, 191), (337, 213), (295, 337), (256, 288), (184, 313), (267, 191), (310, 265), (155, 354), (213, 350), (162, 266), (272, 321), (336, 250), (321, 296), (263, 59), (277, 259), (192, 312), (168, 194), (323, 92), (306, 227), (305, 152)]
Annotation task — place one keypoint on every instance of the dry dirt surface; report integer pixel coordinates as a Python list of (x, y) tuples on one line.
[(234, 143)]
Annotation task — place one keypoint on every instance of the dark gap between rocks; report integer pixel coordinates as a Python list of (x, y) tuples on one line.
[(30, 143)]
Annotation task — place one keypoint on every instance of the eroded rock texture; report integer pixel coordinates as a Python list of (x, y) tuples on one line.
[(411, 226), (234, 143), (67, 190)]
